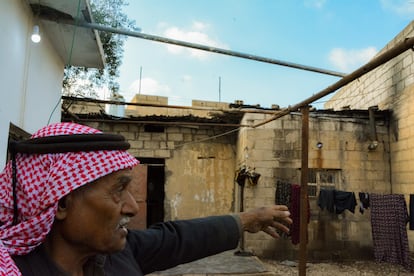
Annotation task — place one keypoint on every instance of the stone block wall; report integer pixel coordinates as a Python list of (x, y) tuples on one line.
[(158, 105), (382, 86), (390, 86), (199, 175), (274, 151)]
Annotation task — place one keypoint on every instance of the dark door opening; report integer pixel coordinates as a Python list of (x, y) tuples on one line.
[(155, 189)]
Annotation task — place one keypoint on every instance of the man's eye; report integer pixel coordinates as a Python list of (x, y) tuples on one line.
[(118, 192), (122, 187)]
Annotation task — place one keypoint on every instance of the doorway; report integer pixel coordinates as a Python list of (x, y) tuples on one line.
[(155, 189)]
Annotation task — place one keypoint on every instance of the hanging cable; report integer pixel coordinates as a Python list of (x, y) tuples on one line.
[(69, 58)]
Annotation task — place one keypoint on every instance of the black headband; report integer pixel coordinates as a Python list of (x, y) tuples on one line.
[(69, 143), (61, 144)]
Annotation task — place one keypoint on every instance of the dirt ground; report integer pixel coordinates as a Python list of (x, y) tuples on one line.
[(366, 268)]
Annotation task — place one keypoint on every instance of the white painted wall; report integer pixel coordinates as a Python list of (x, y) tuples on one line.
[(30, 74)]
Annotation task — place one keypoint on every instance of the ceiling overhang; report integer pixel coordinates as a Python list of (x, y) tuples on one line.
[(76, 46)]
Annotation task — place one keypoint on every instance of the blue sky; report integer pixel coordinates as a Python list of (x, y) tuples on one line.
[(335, 35)]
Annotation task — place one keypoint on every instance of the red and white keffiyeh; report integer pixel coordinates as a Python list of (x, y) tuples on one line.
[(43, 179)]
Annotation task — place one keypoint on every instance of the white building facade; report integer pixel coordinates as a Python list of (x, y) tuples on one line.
[(31, 74)]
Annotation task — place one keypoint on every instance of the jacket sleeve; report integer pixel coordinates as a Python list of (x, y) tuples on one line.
[(168, 244)]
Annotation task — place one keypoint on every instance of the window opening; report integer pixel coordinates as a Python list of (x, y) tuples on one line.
[(322, 179)]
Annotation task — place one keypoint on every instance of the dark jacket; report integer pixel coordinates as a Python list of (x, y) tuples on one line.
[(162, 246)]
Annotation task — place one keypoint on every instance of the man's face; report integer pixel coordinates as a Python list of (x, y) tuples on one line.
[(97, 214)]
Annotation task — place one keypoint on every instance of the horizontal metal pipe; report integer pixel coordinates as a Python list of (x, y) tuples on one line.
[(374, 63), (177, 123), (90, 100), (234, 109), (84, 24)]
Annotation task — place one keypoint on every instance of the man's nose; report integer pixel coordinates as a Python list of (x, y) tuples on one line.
[(130, 206)]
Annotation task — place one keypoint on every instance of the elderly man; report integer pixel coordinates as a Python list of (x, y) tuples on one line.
[(65, 208)]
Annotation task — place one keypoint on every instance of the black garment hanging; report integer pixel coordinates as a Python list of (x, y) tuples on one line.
[(336, 201), (364, 199), (283, 193), (411, 217), (344, 201), (326, 200), (283, 197)]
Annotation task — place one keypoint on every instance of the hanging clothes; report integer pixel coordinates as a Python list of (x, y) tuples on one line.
[(295, 214), (389, 218), (336, 201), (411, 211), (283, 192), (282, 197), (326, 200), (344, 201), (364, 202)]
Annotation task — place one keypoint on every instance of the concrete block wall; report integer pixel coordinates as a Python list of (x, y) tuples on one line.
[(199, 175), (391, 86), (149, 99), (212, 104), (382, 86), (275, 153), (201, 108)]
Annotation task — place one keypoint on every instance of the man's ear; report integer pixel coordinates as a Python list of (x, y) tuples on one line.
[(62, 207)]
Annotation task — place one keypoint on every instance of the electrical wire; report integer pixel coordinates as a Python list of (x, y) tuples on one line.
[(209, 138), (69, 58), (344, 97)]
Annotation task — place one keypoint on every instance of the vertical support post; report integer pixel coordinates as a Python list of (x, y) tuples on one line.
[(303, 235), (241, 209), (241, 180)]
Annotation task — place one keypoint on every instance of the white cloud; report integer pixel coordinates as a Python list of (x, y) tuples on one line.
[(200, 26), (349, 60), (149, 86), (186, 78), (400, 7), (315, 3), (197, 34)]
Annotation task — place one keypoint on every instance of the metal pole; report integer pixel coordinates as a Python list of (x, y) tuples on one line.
[(241, 209), (219, 89), (84, 24), (140, 79), (398, 49), (303, 234)]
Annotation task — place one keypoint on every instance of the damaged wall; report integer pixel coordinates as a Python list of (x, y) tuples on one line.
[(197, 178), (390, 86), (199, 182), (274, 150), (200, 172)]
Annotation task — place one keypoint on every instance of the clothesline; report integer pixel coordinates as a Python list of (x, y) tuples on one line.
[(389, 217)]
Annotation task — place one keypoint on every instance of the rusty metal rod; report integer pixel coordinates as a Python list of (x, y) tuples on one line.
[(148, 122), (246, 109), (398, 49), (84, 24), (303, 230), (91, 100)]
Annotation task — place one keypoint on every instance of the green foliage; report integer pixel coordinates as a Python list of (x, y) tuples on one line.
[(81, 81)]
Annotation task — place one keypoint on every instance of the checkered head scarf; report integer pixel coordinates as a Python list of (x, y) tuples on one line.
[(42, 178)]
